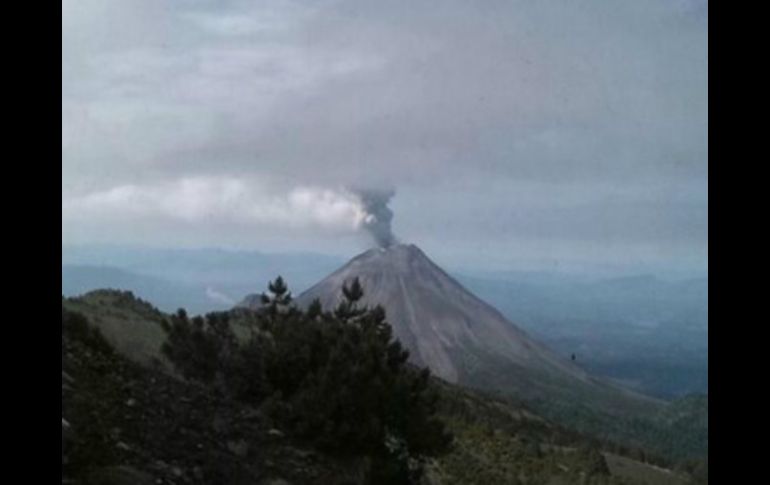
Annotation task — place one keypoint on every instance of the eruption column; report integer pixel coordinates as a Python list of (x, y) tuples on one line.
[(378, 215)]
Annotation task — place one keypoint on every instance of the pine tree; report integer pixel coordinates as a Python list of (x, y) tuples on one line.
[(314, 310), (278, 301), (280, 293), (348, 310)]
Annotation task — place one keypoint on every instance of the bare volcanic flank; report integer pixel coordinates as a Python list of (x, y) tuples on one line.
[(433, 315), (458, 336)]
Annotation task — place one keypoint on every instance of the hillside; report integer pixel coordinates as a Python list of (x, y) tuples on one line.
[(130, 324), (162, 421), (125, 423)]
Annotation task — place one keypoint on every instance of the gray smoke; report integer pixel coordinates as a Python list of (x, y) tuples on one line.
[(378, 215)]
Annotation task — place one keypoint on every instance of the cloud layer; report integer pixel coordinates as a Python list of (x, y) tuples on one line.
[(224, 200), (511, 120)]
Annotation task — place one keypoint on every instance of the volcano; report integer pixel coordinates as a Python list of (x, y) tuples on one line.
[(458, 336)]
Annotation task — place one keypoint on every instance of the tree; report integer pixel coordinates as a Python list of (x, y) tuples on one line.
[(277, 302), (338, 380), (365, 397), (280, 294), (348, 309), (201, 349)]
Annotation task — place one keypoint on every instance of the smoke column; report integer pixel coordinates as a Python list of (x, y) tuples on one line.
[(378, 215)]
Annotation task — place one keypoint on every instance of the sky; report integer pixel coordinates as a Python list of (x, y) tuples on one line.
[(550, 134)]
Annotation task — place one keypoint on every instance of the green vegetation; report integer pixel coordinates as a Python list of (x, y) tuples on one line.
[(336, 380), (499, 442), (677, 433), (126, 423), (129, 323), (308, 396)]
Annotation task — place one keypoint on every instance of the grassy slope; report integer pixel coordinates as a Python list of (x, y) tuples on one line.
[(637, 472), (123, 422), (672, 430), (131, 325), (500, 442)]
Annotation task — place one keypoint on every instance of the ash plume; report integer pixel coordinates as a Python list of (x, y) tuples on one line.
[(378, 215)]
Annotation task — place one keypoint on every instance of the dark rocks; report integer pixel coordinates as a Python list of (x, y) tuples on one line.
[(239, 448), (276, 481), (120, 475)]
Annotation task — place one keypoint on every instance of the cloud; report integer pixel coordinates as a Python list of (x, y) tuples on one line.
[(225, 200), (218, 296), (449, 103)]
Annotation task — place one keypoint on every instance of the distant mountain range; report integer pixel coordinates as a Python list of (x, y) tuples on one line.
[(199, 280), (232, 273), (168, 295)]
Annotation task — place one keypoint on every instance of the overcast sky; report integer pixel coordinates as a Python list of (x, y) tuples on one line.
[(516, 134)]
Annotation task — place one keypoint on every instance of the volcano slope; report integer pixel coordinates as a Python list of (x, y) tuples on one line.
[(466, 341)]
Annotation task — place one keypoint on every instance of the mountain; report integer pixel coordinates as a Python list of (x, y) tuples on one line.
[(124, 422), (572, 399), (648, 333), (461, 338), (232, 272)]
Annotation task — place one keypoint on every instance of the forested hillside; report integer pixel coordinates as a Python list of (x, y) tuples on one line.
[(316, 396)]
